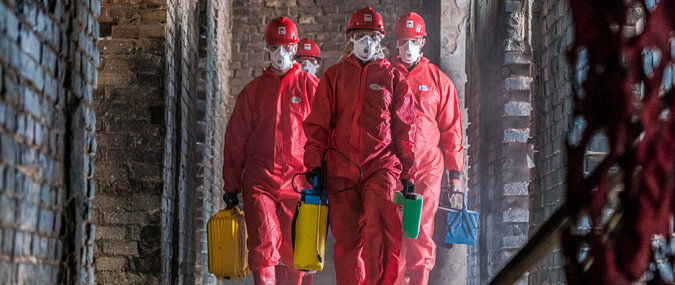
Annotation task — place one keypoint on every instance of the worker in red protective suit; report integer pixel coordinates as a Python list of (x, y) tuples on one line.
[(363, 108), (264, 141), (438, 141), (309, 56)]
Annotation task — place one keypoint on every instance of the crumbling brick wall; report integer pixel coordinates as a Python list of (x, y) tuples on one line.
[(163, 75), (500, 153), (130, 105), (48, 61)]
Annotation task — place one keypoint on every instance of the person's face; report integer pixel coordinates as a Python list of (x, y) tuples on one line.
[(358, 34), (309, 64), (289, 48), (302, 59), (420, 41)]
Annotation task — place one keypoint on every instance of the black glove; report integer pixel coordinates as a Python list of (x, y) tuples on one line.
[(312, 174), (408, 189), (454, 175), (231, 200)]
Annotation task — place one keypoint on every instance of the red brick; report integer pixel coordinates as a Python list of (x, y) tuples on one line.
[(115, 78), (151, 46), (123, 46), (117, 15), (152, 31), (110, 263), (153, 16), (125, 31)]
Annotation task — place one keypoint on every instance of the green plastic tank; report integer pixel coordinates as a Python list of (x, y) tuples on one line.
[(410, 210)]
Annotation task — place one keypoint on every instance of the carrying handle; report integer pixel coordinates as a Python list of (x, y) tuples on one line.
[(450, 194)]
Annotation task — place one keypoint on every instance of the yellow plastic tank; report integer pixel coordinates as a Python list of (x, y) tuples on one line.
[(226, 238), (310, 227)]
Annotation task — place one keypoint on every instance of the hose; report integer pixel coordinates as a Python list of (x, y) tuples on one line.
[(320, 186), (323, 164)]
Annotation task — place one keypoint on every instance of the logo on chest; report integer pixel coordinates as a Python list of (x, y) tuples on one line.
[(424, 88), (296, 100), (375, 87)]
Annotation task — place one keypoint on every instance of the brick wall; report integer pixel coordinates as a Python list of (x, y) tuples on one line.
[(130, 106), (214, 83), (163, 77), (48, 66), (182, 132), (553, 103), (500, 152)]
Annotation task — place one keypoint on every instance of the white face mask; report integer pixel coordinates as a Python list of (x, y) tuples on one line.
[(409, 52), (365, 48), (282, 59), (309, 67)]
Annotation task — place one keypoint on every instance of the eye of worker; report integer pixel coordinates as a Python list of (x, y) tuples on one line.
[(301, 59), (416, 41), (287, 48), (375, 35)]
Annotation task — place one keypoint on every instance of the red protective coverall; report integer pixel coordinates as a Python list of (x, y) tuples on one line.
[(367, 113), (264, 141), (438, 143)]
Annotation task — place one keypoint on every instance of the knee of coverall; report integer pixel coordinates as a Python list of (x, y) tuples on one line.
[(344, 215), (383, 231), (264, 234), (420, 252), (285, 211)]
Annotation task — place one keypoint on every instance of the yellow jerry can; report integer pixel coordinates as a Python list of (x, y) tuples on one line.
[(310, 226), (226, 237)]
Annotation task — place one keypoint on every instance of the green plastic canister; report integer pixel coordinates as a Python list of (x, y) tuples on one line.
[(410, 210)]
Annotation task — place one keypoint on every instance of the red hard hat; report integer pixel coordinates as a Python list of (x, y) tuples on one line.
[(281, 31), (410, 25), (366, 19), (307, 47)]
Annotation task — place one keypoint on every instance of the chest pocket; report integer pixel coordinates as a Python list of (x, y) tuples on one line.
[(298, 105), (428, 99), (377, 97)]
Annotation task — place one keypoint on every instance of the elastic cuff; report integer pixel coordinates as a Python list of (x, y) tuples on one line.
[(455, 174)]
